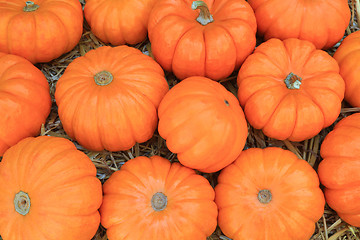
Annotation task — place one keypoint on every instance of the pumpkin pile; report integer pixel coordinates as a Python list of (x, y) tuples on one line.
[(181, 119)]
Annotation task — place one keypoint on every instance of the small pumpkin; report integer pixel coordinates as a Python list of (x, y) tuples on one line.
[(24, 100), (321, 22), (49, 191), (108, 98), (348, 56), (268, 194), (163, 201), (290, 90), (339, 170), (208, 38), (40, 30), (203, 123)]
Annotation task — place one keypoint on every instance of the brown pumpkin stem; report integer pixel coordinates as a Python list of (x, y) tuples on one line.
[(264, 196), (22, 203), (293, 81), (103, 78), (204, 17), (159, 201), (30, 6)]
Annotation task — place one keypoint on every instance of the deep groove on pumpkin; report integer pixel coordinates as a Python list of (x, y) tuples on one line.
[(159, 201), (264, 196), (22, 203), (30, 6)]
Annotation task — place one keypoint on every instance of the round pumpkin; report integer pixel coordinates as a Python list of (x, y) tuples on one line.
[(321, 22), (40, 30), (203, 123), (162, 200), (348, 56), (290, 90), (108, 98), (24, 100), (49, 191), (118, 22), (208, 38), (339, 171), (268, 194)]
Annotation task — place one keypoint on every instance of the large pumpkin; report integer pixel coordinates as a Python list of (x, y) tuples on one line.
[(290, 90), (150, 198), (339, 171), (40, 30), (24, 100), (322, 22), (203, 123), (268, 194), (348, 57), (108, 98), (49, 191), (212, 41)]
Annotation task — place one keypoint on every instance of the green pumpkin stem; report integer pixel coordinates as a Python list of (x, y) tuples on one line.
[(103, 78), (264, 196), (159, 201), (30, 6), (293, 81), (204, 17), (22, 203)]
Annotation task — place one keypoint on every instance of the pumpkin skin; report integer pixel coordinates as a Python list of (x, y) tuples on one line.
[(157, 197), (180, 44), (43, 34), (203, 123), (284, 19), (118, 22), (283, 105), (348, 55), (24, 94), (340, 167), (268, 194), (121, 89), (56, 183)]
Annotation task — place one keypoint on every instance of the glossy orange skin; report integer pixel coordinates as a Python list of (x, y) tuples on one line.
[(115, 116), (348, 56), (190, 212), (339, 170), (297, 201), (206, 132), (41, 35), (282, 113), (61, 182), (118, 22), (24, 100), (322, 22), (185, 47)]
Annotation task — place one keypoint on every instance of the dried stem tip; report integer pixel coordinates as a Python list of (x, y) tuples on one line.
[(30, 6), (293, 81), (103, 78), (264, 196), (22, 203), (204, 17), (159, 201)]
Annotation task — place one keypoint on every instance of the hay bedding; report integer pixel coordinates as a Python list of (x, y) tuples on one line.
[(330, 226)]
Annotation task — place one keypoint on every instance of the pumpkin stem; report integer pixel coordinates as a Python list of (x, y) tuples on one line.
[(264, 196), (293, 81), (22, 203), (103, 78), (159, 201), (204, 17), (30, 6)]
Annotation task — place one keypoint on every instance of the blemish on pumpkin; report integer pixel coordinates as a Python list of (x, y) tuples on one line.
[(103, 78), (30, 7), (159, 201), (226, 102), (22, 203), (264, 196)]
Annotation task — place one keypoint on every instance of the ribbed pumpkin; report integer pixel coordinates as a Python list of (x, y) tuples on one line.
[(40, 30), (24, 100), (203, 123), (108, 98), (268, 194), (49, 191), (163, 200), (339, 171)]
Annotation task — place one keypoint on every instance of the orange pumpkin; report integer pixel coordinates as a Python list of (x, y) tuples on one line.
[(24, 100), (321, 22), (108, 98), (339, 171), (49, 191), (268, 194), (118, 22), (348, 57), (290, 90), (40, 30), (163, 200), (212, 41), (203, 123)]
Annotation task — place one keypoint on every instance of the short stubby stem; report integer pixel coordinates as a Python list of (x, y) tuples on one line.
[(264, 196), (22, 203), (159, 201), (103, 78), (293, 81), (30, 6), (205, 16)]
